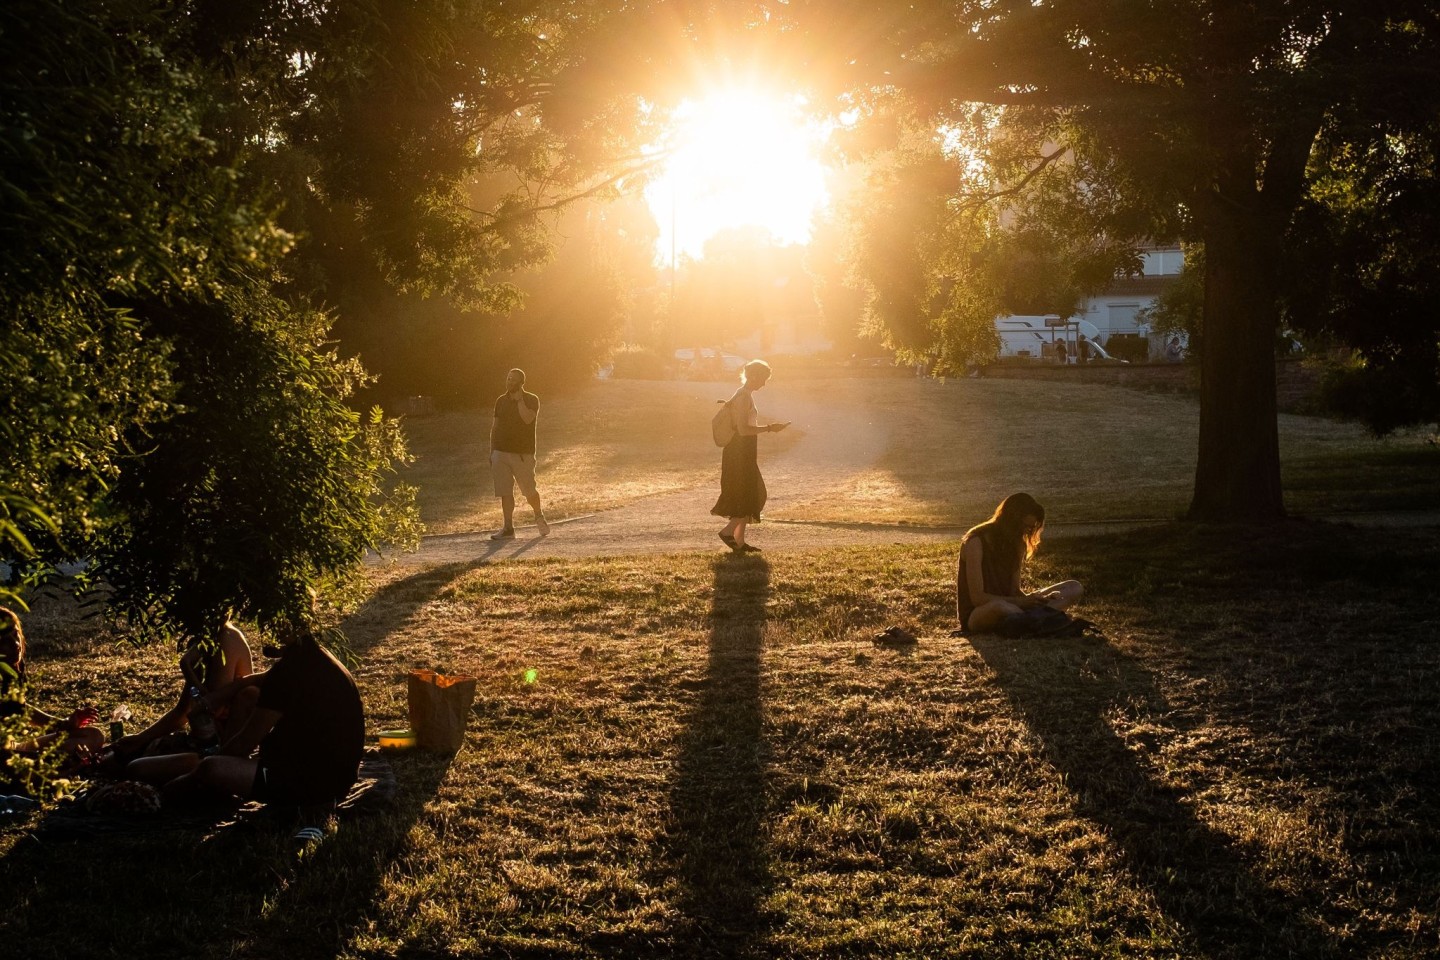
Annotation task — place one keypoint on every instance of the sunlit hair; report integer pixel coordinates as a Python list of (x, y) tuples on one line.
[(12, 647), (519, 371), (748, 372), (1004, 534), (1010, 517)]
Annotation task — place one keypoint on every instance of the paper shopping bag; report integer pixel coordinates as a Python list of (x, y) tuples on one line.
[(439, 707)]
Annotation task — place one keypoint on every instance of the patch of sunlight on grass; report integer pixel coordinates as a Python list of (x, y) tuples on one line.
[(897, 450)]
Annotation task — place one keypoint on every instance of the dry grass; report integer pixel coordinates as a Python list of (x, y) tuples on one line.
[(714, 761), (945, 452)]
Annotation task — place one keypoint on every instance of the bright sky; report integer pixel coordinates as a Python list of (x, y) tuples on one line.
[(742, 158)]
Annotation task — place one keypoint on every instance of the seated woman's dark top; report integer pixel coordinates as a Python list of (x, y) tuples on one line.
[(998, 577)]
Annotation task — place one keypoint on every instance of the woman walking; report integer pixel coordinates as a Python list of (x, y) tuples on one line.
[(742, 489), (987, 580)]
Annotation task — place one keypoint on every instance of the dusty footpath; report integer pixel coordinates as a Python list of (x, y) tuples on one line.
[(837, 444)]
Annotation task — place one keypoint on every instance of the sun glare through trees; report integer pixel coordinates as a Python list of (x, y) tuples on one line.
[(741, 157)]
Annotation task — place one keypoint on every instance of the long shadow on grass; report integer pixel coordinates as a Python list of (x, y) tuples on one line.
[(333, 893), (717, 798), (393, 604), (1065, 690), (158, 892)]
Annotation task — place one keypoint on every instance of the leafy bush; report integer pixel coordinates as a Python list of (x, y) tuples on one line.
[(1383, 395), (167, 413), (265, 488)]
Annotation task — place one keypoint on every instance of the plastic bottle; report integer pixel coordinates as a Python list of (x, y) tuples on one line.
[(202, 723)]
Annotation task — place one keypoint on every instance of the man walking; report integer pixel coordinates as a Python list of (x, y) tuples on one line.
[(512, 452)]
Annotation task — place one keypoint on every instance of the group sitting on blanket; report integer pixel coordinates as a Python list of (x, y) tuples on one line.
[(291, 735)]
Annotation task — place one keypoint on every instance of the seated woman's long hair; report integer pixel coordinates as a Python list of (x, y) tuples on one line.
[(1007, 543)]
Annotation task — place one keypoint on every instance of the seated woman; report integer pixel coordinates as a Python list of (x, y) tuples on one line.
[(211, 669), (987, 580), (73, 734)]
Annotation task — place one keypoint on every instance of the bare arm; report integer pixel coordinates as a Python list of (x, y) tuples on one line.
[(746, 417), (172, 720), (528, 406), (225, 675), (39, 718), (221, 696), (248, 737)]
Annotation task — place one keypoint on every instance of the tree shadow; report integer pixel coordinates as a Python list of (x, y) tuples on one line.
[(388, 609), (162, 889), (1198, 875), (324, 899), (717, 796)]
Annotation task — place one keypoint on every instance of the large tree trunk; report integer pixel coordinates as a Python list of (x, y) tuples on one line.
[(1237, 475)]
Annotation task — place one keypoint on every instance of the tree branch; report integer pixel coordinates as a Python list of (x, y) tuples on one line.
[(496, 220), (973, 201)]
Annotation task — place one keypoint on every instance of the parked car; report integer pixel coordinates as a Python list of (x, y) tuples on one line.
[(711, 364)]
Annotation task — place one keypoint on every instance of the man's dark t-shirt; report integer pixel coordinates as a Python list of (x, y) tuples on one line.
[(510, 434), (315, 746)]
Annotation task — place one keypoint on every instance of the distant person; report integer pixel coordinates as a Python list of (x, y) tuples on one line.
[(992, 554), (512, 452), (1082, 349), (742, 489), (1174, 353), (206, 668), (1062, 352), (303, 738), (74, 735)]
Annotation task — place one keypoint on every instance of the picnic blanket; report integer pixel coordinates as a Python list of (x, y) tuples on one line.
[(375, 790)]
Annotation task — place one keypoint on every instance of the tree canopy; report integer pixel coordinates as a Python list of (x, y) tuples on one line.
[(1088, 127), (188, 187)]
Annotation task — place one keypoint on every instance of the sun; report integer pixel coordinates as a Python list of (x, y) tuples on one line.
[(740, 158)]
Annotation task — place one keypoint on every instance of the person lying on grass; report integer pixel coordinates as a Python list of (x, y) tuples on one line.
[(300, 744), (992, 554), (206, 668), (73, 734)]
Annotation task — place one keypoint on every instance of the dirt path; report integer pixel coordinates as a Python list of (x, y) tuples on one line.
[(835, 441)]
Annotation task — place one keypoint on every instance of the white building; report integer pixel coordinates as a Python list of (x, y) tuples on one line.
[(1113, 312)]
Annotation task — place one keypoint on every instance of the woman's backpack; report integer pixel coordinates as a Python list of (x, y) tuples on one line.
[(722, 425), (1035, 622)]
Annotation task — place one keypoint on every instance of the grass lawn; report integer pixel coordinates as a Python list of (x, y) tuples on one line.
[(946, 452), (714, 761)]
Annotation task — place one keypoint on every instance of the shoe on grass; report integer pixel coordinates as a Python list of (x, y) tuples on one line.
[(895, 637), (307, 840), (542, 526), (507, 534)]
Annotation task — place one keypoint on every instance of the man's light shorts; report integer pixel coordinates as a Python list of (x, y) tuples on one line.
[(511, 469)]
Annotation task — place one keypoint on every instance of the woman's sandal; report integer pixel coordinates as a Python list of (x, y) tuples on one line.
[(749, 548), (729, 541), (895, 637)]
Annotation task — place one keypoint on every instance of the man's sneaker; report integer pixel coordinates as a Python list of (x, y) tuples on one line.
[(507, 534), (542, 526)]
